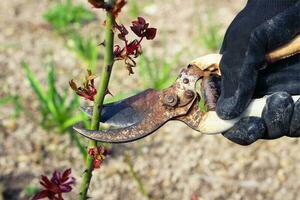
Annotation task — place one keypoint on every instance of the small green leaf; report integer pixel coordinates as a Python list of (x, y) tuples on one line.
[(66, 16), (72, 121), (31, 190), (35, 84)]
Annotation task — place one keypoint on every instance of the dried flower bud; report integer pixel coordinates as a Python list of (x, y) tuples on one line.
[(98, 154)]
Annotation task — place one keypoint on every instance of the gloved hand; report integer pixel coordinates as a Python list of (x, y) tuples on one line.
[(262, 26)]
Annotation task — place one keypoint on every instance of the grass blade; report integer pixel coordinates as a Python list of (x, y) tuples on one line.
[(35, 84)]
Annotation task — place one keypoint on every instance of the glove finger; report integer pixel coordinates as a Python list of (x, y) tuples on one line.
[(232, 107), (283, 75), (295, 122), (246, 131), (268, 36), (277, 114)]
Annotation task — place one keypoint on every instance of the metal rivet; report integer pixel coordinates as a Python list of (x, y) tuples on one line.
[(170, 100), (186, 81)]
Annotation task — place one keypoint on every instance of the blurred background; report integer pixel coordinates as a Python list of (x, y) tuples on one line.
[(44, 44)]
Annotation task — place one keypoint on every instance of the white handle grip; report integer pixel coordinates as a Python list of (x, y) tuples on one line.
[(212, 124)]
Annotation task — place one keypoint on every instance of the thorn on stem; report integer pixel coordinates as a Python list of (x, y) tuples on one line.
[(85, 171), (102, 44)]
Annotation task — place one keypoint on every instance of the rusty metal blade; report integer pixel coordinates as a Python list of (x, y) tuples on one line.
[(140, 115), (129, 119)]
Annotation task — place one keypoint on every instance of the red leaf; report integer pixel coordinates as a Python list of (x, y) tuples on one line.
[(141, 20), (132, 47), (123, 32), (66, 174), (45, 181), (139, 26), (150, 33), (40, 195), (65, 188), (60, 182), (136, 30)]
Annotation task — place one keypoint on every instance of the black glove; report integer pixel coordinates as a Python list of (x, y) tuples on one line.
[(262, 26)]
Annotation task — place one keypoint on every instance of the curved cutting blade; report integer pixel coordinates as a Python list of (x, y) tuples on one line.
[(140, 115), (130, 119)]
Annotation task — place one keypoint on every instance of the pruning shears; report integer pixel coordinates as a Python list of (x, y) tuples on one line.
[(138, 116)]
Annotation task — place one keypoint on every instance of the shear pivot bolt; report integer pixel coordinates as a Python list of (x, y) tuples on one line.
[(170, 100), (189, 94)]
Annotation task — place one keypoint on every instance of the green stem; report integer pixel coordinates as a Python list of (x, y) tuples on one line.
[(99, 99)]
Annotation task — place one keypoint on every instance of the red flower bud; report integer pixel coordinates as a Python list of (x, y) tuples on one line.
[(98, 154), (97, 163)]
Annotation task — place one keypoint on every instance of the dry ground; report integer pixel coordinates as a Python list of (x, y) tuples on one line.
[(173, 163)]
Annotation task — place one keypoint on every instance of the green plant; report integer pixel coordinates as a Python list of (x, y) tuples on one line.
[(156, 72), (65, 16), (85, 49), (13, 100), (56, 111), (202, 105), (99, 99), (209, 33), (31, 190), (127, 52)]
